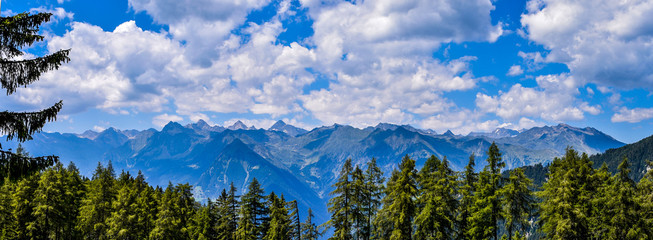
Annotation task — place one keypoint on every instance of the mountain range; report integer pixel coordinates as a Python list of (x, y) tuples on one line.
[(299, 163)]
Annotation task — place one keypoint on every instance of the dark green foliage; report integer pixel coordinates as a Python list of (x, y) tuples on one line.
[(176, 210), (467, 189), (437, 201), (204, 222), (279, 227), (374, 193), (340, 205), (401, 207), (253, 213), (295, 231), (97, 205), (622, 208), (637, 153), (228, 214), (566, 207), (310, 231), (486, 210), (518, 202), (16, 32)]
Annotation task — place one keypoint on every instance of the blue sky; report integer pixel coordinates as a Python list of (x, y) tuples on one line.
[(435, 64)]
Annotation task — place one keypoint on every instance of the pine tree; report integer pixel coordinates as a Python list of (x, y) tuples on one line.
[(518, 202), (204, 222), (340, 206), (374, 182), (48, 206), (599, 218), (383, 224), (253, 213), (74, 192), (622, 208), (7, 227), (566, 207), (359, 201), (123, 221), (310, 231), (401, 209), (295, 223), (17, 32), (486, 210), (23, 204), (176, 209), (228, 211), (467, 190), (437, 200), (147, 204), (279, 220), (645, 200), (97, 205)]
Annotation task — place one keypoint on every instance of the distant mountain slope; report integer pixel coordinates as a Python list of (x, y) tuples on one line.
[(637, 153), (301, 164)]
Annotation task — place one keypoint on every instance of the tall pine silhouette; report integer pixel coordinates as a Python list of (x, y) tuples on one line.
[(17, 32)]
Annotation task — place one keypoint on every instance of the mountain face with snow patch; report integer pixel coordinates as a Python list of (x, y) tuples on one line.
[(288, 160)]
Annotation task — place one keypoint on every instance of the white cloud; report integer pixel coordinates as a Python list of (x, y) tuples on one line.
[(57, 13), (126, 68), (584, 34), (202, 24), (515, 70), (553, 100), (634, 115), (163, 119)]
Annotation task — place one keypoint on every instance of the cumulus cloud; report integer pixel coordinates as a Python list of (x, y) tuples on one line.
[(375, 56), (554, 100), (515, 70), (124, 69), (163, 119), (584, 34), (632, 115), (202, 24)]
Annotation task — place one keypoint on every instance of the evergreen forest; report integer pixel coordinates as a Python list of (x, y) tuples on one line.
[(576, 201)]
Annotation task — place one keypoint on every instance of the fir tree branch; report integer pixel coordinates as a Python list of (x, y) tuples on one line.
[(23, 125), (22, 73), (21, 30), (15, 166)]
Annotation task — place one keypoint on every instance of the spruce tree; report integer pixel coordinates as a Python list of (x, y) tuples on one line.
[(437, 201), (74, 192), (624, 222), (486, 210), (123, 221), (402, 208), (17, 32), (566, 207), (359, 201), (204, 222), (518, 202), (295, 231), (253, 213), (48, 206), (23, 203), (645, 200), (279, 227), (228, 214), (310, 231), (176, 209), (374, 182), (98, 203), (383, 224), (467, 190), (340, 205), (7, 227), (147, 204)]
